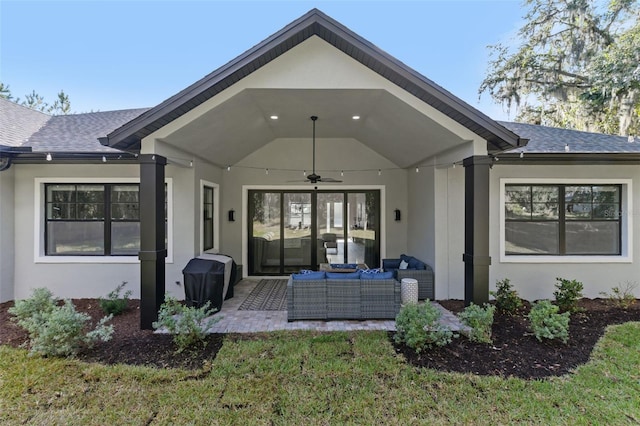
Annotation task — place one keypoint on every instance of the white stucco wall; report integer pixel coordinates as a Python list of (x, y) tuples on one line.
[(94, 276), (7, 235), (536, 278)]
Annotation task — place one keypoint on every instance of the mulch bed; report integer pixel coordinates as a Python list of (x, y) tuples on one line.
[(514, 352), (129, 344)]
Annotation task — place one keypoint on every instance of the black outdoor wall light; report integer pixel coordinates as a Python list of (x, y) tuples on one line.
[(397, 212), (232, 215)]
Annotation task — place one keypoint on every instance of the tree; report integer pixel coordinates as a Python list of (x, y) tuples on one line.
[(61, 106), (5, 92), (574, 64)]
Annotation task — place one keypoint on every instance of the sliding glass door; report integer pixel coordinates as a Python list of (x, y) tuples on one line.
[(293, 230)]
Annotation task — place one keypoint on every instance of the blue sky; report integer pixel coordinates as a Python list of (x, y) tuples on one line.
[(127, 54)]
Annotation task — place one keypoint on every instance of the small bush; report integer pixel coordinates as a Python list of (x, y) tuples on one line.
[(480, 319), (622, 296), (547, 323), (56, 330), (507, 299), (418, 327), (567, 294), (188, 325), (115, 303)]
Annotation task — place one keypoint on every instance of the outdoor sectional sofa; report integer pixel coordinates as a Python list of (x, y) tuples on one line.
[(342, 296), (415, 269)]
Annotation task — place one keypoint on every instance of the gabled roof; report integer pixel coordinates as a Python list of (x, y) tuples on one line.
[(544, 139), (18, 123), (314, 23)]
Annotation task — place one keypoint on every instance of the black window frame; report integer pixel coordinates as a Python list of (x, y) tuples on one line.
[(211, 220), (562, 220)]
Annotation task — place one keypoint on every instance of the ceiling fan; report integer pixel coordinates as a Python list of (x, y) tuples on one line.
[(313, 177)]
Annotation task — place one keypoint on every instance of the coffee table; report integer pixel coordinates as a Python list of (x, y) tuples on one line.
[(341, 267)]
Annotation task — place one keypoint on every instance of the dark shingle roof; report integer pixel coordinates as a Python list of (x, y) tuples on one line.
[(80, 132), (543, 139), (18, 123)]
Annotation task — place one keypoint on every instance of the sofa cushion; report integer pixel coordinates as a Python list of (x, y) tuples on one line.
[(380, 276), (343, 275), (309, 276), (416, 264)]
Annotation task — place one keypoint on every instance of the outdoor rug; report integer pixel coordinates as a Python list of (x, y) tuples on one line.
[(268, 295)]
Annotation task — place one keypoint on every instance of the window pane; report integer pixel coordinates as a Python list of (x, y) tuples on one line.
[(531, 238), (90, 193), (606, 211), (544, 194), (578, 211), (593, 237), (75, 238), (61, 211), (544, 211), (125, 211), (124, 194), (577, 194), (61, 193), (208, 195), (517, 211), (606, 194), (125, 238), (90, 211), (518, 194)]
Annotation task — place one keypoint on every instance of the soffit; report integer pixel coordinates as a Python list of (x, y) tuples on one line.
[(241, 125)]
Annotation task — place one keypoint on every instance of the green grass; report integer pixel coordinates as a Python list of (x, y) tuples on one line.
[(310, 378)]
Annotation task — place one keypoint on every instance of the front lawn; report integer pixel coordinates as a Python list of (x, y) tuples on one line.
[(311, 378)]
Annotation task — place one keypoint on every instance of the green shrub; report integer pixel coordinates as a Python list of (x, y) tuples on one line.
[(115, 303), (56, 330), (418, 327), (622, 297), (547, 323), (188, 325), (507, 299), (480, 320), (567, 294)]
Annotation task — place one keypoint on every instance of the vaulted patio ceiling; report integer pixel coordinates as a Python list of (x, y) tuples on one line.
[(227, 133)]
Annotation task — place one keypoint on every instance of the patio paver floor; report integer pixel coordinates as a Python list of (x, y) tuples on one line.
[(235, 321)]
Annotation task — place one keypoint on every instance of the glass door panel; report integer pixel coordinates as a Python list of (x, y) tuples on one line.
[(330, 227), (297, 241), (362, 229), (264, 232)]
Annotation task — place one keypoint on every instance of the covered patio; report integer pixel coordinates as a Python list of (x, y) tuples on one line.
[(381, 127), (234, 320)]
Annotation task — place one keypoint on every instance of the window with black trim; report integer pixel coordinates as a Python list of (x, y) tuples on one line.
[(93, 219), (571, 219), (208, 230)]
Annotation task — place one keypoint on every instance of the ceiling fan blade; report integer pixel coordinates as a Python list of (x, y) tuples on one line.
[(328, 179)]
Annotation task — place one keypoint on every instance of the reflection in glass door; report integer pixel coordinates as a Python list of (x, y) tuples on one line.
[(294, 230)]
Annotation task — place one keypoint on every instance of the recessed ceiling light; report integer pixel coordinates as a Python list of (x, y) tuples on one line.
[(274, 117), (356, 117)]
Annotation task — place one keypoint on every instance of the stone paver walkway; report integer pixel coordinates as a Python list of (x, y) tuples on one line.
[(235, 321)]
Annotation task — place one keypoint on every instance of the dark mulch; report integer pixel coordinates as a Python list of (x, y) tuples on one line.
[(129, 344), (514, 352)]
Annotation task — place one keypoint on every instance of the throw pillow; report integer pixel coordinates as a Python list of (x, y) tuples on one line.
[(404, 265)]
